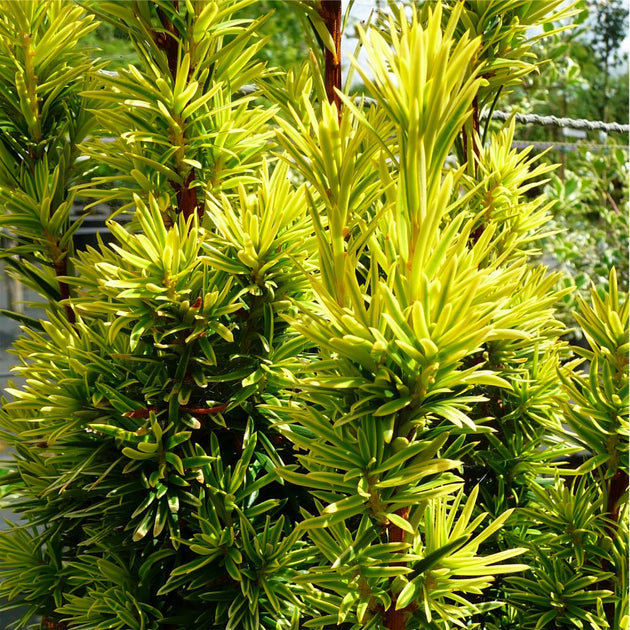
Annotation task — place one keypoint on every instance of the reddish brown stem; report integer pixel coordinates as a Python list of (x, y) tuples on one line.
[(330, 12), (475, 125), (206, 410), (202, 411), (168, 41), (474, 138), (617, 488), (61, 269), (397, 619), (187, 201), (49, 623)]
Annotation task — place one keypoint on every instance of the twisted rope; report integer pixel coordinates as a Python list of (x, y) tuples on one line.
[(554, 121), (536, 119)]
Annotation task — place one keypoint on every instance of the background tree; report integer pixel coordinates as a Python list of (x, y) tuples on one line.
[(608, 23), (585, 68)]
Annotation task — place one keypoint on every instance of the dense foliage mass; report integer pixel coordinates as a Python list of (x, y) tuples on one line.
[(316, 379)]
